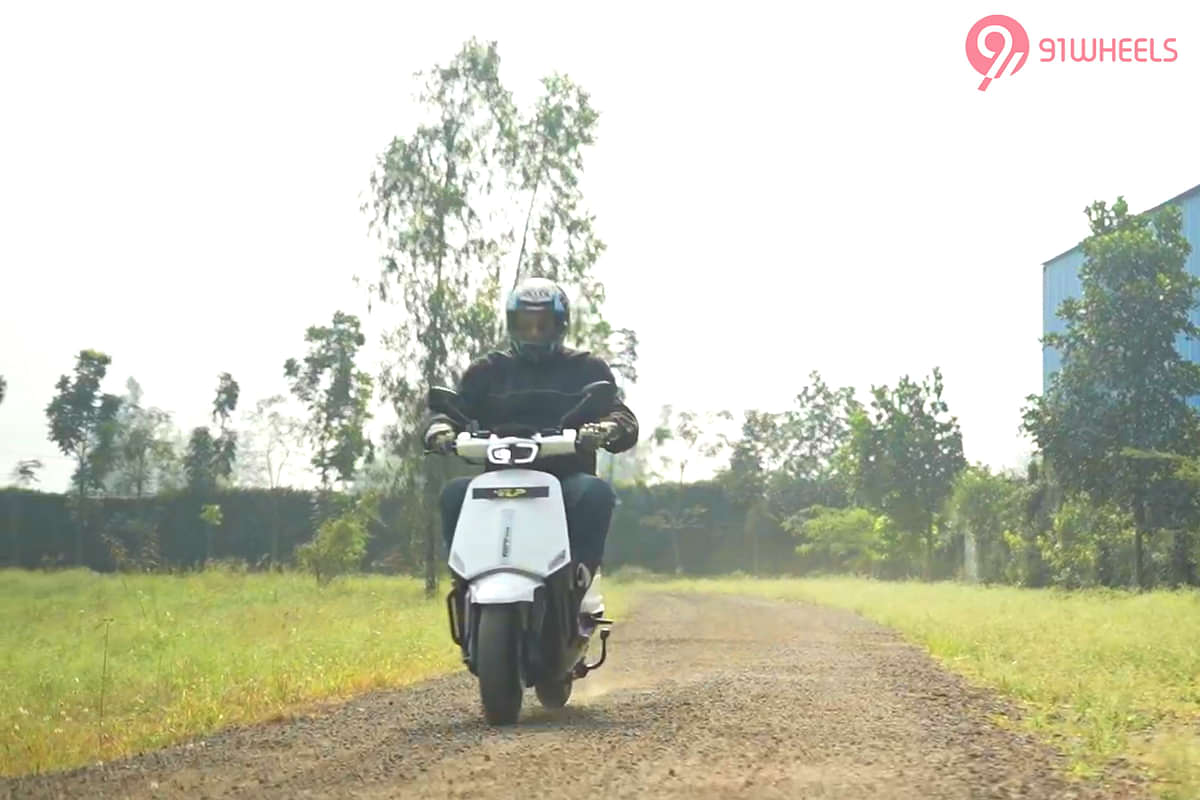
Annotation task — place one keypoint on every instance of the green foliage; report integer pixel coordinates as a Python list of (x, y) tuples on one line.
[(82, 420), (142, 444), (1089, 544), (336, 394), (210, 514), (1123, 383), (836, 539), (340, 543), (202, 460), (986, 510), (904, 455)]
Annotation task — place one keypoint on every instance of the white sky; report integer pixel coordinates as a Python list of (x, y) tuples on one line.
[(782, 188)]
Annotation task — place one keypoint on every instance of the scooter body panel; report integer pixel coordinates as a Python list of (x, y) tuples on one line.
[(512, 521)]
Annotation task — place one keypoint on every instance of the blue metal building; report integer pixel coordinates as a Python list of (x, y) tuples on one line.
[(1060, 280)]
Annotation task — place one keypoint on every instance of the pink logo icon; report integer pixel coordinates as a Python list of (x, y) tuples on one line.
[(996, 45)]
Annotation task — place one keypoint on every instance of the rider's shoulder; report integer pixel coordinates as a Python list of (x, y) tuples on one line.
[(572, 354)]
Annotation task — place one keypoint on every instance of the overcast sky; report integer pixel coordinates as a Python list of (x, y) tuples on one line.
[(781, 191)]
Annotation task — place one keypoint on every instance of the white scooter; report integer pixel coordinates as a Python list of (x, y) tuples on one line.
[(524, 612)]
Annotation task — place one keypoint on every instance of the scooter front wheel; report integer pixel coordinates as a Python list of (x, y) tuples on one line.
[(498, 663)]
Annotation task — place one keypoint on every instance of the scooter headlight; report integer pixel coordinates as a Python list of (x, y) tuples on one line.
[(505, 453)]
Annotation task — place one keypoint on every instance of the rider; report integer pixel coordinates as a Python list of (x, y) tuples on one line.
[(538, 314)]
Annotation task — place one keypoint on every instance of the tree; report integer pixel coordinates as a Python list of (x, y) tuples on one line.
[(450, 201), (199, 465), (565, 248), (836, 539), (210, 460), (904, 455), (1123, 384), (809, 441), (700, 435), (213, 518), (270, 442), (336, 394), (746, 477), (142, 444), (224, 404), (985, 509), (82, 423)]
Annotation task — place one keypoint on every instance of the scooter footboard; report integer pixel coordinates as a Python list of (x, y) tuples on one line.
[(503, 587)]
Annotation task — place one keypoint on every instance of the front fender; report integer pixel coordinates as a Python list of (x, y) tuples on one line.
[(503, 587)]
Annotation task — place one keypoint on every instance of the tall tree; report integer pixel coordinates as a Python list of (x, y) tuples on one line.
[(336, 394), (564, 246), (751, 459), (696, 435), (210, 459), (82, 423), (270, 441), (1123, 383), (810, 438), (224, 404), (201, 461), (473, 195), (904, 456), (142, 444)]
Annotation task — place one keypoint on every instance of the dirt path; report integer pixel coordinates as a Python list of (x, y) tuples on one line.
[(701, 697)]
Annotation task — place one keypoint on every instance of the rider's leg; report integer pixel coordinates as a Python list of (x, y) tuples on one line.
[(453, 494), (589, 504)]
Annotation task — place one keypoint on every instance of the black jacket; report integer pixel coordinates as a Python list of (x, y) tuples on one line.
[(501, 392)]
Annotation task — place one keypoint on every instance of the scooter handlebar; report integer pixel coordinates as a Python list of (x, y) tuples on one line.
[(474, 447)]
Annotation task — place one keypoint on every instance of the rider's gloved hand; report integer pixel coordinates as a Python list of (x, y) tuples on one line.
[(595, 435), (439, 438)]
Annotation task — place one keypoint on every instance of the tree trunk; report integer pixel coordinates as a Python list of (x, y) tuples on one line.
[(1139, 521), (274, 531), (675, 547), (14, 509), (928, 551), (81, 523), (432, 488), (1183, 569)]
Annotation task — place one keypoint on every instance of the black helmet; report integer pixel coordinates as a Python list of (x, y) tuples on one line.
[(538, 314)]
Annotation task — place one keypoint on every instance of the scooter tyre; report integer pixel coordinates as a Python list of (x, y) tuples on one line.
[(501, 685)]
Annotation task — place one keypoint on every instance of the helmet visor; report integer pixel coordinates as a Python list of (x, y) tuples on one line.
[(533, 325)]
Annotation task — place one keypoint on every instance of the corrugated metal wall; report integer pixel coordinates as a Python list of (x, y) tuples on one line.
[(1060, 280)]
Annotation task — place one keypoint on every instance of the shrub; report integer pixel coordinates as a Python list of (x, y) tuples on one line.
[(340, 543)]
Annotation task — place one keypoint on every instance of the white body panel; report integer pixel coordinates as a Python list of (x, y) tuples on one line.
[(526, 535), (502, 587)]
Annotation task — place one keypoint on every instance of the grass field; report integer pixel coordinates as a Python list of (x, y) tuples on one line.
[(189, 654), (1102, 674)]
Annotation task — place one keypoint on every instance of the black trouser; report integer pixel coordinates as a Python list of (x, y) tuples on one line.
[(589, 504)]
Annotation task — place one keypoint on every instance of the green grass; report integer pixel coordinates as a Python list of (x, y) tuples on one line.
[(1101, 674), (187, 655)]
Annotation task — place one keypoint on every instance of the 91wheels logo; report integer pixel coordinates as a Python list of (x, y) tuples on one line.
[(997, 45)]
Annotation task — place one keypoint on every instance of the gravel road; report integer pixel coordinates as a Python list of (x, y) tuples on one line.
[(702, 696)]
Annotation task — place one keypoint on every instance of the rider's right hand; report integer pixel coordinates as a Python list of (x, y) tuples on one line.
[(439, 438)]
